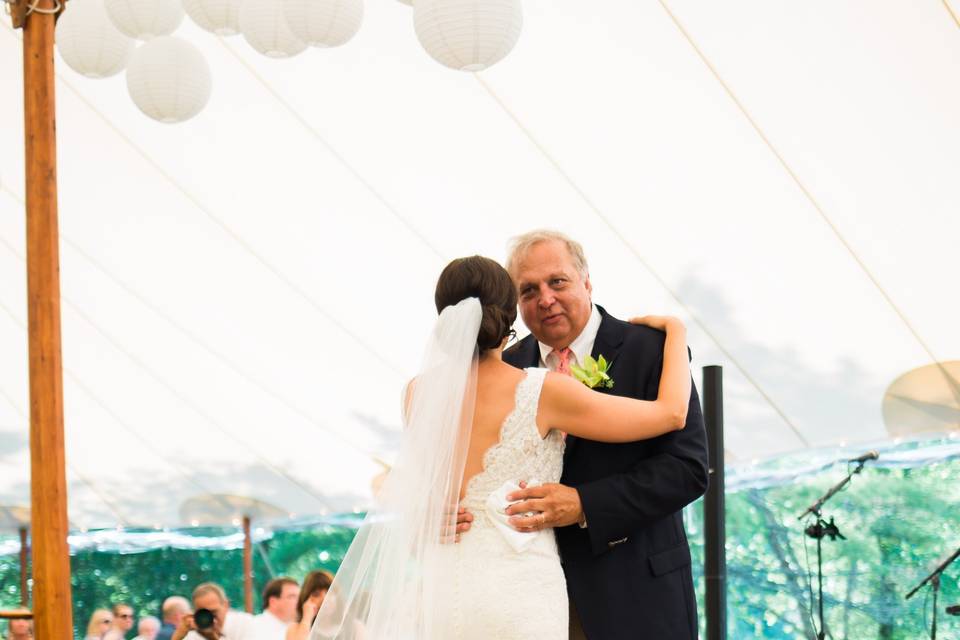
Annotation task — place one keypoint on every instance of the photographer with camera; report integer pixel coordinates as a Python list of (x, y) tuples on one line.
[(212, 618)]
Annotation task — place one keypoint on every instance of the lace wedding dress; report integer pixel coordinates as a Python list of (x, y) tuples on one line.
[(496, 591), (402, 577)]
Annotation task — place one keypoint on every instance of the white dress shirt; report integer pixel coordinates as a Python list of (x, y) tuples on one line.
[(581, 347), (267, 626), (237, 625)]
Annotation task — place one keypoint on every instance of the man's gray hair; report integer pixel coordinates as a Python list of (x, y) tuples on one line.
[(520, 245), (209, 587), (174, 605)]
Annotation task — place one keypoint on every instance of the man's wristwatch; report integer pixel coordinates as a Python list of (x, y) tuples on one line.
[(582, 522)]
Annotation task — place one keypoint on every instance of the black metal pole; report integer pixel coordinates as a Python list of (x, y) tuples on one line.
[(714, 515), (933, 624), (823, 528), (936, 572), (934, 580), (822, 633)]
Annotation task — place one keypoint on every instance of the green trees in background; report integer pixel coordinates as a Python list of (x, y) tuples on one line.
[(144, 580), (899, 525)]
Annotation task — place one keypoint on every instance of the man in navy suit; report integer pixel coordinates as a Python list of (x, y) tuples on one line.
[(617, 509)]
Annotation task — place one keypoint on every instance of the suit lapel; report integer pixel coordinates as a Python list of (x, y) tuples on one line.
[(525, 353), (609, 337)]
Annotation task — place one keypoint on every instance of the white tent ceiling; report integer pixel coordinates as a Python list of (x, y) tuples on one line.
[(244, 294)]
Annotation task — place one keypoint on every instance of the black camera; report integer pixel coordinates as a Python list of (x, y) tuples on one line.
[(203, 618)]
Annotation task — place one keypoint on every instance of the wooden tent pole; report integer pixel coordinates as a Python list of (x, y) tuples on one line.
[(24, 559), (53, 617), (247, 566)]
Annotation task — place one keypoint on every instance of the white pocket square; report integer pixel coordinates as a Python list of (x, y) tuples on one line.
[(496, 505)]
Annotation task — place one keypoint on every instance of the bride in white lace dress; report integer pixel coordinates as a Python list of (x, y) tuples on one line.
[(475, 428)]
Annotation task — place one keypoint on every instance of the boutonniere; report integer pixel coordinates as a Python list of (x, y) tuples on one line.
[(593, 373)]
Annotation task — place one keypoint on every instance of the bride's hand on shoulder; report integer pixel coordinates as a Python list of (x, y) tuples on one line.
[(310, 610), (663, 323)]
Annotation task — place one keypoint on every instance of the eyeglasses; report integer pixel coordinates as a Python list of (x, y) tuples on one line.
[(125, 615)]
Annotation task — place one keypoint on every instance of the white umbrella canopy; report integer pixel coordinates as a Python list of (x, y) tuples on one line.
[(246, 293), (925, 400)]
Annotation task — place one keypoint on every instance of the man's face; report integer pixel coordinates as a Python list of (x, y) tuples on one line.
[(285, 607), (19, 627), (123, 618), (555, 300), (148, 629), (213, 602), (175, 617)]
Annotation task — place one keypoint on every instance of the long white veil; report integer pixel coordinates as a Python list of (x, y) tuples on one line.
[(393, 578)]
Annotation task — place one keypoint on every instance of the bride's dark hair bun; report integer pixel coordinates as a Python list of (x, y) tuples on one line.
[(483, 278)]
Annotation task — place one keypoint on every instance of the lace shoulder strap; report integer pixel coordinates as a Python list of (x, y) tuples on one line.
[(527, 402), (534, 385), (535, 378)]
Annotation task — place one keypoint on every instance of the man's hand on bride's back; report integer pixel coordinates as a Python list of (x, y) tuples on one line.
[(552, 505), (659, 322)]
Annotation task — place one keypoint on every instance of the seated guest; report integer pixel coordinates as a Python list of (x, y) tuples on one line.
[(122, 622), (19, 629), (147, 628), (173, 610), (226, 625), (312, 593), (279, 609), (100, 623)]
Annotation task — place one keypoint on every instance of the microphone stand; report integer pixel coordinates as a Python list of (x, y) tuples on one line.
[(934, 580), (821, 529)]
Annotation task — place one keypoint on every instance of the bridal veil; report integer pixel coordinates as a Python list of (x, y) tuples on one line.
[(395, 575)]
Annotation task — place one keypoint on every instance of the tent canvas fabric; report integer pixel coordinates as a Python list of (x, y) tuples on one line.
[(245, 294)]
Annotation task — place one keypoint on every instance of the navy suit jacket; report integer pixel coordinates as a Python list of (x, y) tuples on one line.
[(166, 631), (628, 573)]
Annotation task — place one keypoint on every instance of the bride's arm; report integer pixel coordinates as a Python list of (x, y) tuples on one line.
[(570, 406)]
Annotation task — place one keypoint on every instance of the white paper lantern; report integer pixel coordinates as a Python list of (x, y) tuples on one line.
[(264, 26), (89, 43), (145, 19), (468, 35), (221, 17), (324, 23), (169, 79)]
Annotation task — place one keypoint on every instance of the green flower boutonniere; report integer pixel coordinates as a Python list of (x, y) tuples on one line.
[(593, 373)]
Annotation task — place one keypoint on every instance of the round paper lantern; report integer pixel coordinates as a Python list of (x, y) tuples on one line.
[(323, 23), (145, 19), (89, 43), (264, 26), (168, 79), (221, 17), (468, 35)]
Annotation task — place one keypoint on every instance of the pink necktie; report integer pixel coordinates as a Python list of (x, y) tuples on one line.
[(564, 356)]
